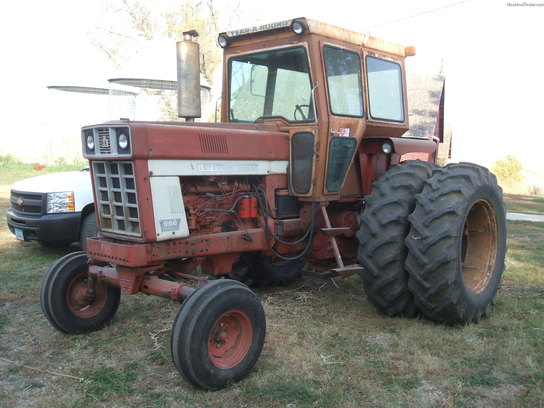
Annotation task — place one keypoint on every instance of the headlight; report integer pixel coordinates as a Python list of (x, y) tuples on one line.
[(387, 148), (90, 142), (298, 27), (122, 141), (223, 41), (61, 202)]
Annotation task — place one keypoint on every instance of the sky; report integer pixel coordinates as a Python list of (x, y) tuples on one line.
[(489, 51)]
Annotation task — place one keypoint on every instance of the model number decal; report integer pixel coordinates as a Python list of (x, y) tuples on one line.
[(170, 225)]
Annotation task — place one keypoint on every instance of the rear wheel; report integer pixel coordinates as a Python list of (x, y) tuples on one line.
[(457, 244), (68, 303), (218, 334), (384, 226)]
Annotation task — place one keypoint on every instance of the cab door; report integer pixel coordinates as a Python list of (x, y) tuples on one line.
[(346, 119)]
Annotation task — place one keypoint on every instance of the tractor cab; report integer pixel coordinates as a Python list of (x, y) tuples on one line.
[(326, 86)]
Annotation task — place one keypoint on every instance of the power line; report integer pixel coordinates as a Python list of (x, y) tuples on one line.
[(417, 15)]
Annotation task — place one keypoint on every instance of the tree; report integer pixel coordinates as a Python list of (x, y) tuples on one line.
[(134, 22), (509, 171), (130, 26)]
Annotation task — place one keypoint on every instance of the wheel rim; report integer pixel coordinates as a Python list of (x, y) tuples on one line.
[(82, 302), (230, 339), (479, 246)]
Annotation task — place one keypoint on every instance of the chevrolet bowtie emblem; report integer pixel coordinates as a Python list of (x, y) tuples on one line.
[(20, 201)]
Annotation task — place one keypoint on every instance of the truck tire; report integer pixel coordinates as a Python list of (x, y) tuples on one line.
[(218, 334), (65, 303), (457, 244), (384, 225), (88, 230)]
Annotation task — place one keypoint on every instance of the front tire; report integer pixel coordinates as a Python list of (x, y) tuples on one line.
[(65, 301), (457, 244), (384, 225), (218, 334)]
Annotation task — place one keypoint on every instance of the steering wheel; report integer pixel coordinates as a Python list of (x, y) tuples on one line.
[(298, 109)]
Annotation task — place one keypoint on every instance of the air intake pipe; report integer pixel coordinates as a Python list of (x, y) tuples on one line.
[(188, 67)]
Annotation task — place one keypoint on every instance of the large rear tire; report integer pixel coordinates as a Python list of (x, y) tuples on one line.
[(384, 225), (218, 334), (457, 244)]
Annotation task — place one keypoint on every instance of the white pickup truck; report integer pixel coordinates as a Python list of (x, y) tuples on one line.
[(54, 209)]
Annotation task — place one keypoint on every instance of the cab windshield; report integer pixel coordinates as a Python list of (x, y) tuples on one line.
[(273, 83)]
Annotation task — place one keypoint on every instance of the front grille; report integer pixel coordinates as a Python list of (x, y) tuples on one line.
[(104, 141), (27, 203), (116, 197)]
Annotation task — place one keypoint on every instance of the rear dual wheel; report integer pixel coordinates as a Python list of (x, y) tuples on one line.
[(457, 244), (445, 258), (384, 225), (218, 334)]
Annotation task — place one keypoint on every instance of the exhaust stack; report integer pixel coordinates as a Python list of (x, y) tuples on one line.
[(188, 67)]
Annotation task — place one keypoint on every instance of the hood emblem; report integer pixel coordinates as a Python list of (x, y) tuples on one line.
[(20, 201)]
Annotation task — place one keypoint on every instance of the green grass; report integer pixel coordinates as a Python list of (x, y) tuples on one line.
[(12, 170), (325, 346), (524, 204)]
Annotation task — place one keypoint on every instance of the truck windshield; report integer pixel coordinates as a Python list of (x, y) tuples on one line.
[(273, 83)]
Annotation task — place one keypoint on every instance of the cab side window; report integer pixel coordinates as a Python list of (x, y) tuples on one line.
[(343, 69), (385, 89)]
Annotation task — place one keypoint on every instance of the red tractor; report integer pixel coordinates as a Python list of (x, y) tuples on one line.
[(305, 170)]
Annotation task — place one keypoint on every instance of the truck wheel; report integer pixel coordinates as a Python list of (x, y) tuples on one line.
[(457, 244), (88, 230), (218, 334), (384, 225), (65, 301), (263, 272)]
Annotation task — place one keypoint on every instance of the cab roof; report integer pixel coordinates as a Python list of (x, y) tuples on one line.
[(322, 29)]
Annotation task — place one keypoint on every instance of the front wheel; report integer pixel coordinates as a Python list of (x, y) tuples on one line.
[(457, 244), (218, 334), (67, 300)]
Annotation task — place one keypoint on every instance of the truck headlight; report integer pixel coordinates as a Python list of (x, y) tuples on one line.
[(61, 202)]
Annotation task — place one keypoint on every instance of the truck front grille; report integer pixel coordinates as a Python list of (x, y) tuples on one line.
[(26, 203), (116, 197)]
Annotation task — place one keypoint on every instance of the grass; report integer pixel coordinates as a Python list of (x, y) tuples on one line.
[(13, 170), (326, 346), (524, 204)]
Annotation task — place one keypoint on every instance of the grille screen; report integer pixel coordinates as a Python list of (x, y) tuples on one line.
[(116, 197), (104, 141), (211, 143)]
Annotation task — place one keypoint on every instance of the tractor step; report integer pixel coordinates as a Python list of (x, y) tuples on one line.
[(344, 272), (348, 271)]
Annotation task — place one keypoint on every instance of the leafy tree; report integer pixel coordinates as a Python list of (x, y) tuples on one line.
[(509, 171), (135, 22)]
